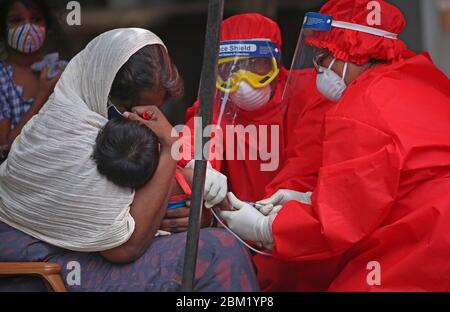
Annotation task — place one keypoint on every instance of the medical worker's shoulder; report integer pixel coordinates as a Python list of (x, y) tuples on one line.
[(405, 76), (408, 86), (400, 100), (360, 101), (388, 92)]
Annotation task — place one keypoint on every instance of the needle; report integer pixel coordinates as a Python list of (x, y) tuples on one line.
[(255, 205)]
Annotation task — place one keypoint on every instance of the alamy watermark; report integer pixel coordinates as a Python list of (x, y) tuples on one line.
[(374, 276), (231, 142), (73, 278), (374, 16), (74, 16)]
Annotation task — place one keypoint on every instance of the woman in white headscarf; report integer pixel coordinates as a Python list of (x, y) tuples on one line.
[(52, 195)]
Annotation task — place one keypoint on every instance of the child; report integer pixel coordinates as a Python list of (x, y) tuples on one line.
[(127, 154)]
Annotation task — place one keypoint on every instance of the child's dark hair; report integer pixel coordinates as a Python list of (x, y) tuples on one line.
[(126, 152), (40, 6), (149, 68)]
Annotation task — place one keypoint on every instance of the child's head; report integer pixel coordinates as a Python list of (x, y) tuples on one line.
[(126, 152)]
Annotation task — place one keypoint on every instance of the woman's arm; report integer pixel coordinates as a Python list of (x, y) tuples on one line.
[(148, 209), (150, 201)]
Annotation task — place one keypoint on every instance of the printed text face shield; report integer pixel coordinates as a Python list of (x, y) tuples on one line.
[(307, 58), (246, 70), (252, 61)]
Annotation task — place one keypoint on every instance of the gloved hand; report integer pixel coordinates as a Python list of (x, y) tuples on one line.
[(216, 186), (268, 210), (248, 222), (281, 197)]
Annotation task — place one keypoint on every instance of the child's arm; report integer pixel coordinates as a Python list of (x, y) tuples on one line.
[(177, 220)]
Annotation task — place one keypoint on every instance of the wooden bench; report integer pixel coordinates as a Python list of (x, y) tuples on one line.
[(50, 273)]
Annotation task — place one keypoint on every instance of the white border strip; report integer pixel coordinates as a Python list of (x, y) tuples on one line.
[(365, 29)]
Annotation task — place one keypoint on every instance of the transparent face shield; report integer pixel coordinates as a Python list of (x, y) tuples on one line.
[(246, 70), (310, 53), (307, 60)]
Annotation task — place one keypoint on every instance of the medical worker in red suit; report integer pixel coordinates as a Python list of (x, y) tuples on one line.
[(381, 204), (249, 93), (298, 177), (250, 105)]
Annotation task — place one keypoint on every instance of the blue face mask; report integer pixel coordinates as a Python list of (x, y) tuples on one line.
[(113, 112)]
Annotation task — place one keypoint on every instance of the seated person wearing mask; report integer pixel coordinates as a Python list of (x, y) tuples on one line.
[(27, 76), (250, 89)]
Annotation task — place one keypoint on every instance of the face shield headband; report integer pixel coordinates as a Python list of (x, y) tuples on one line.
[(317, 21)]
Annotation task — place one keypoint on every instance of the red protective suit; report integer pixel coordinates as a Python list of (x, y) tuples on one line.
[(301, 148), (304, 128), (383, 193), (299, 172)]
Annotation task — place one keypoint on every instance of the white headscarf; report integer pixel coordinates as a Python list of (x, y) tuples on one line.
[(49, 186)]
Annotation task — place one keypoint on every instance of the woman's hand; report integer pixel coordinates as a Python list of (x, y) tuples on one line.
[(156, 122)]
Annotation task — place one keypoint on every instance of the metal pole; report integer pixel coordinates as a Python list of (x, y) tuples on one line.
[(206, 97)]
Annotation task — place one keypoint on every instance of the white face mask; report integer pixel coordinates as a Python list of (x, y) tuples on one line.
[(330, 84), (250, 99)]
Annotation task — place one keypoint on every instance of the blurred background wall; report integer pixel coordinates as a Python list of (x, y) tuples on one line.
[(181, 25)]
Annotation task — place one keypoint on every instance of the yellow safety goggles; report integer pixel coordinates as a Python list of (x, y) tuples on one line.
[(258, 72)]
